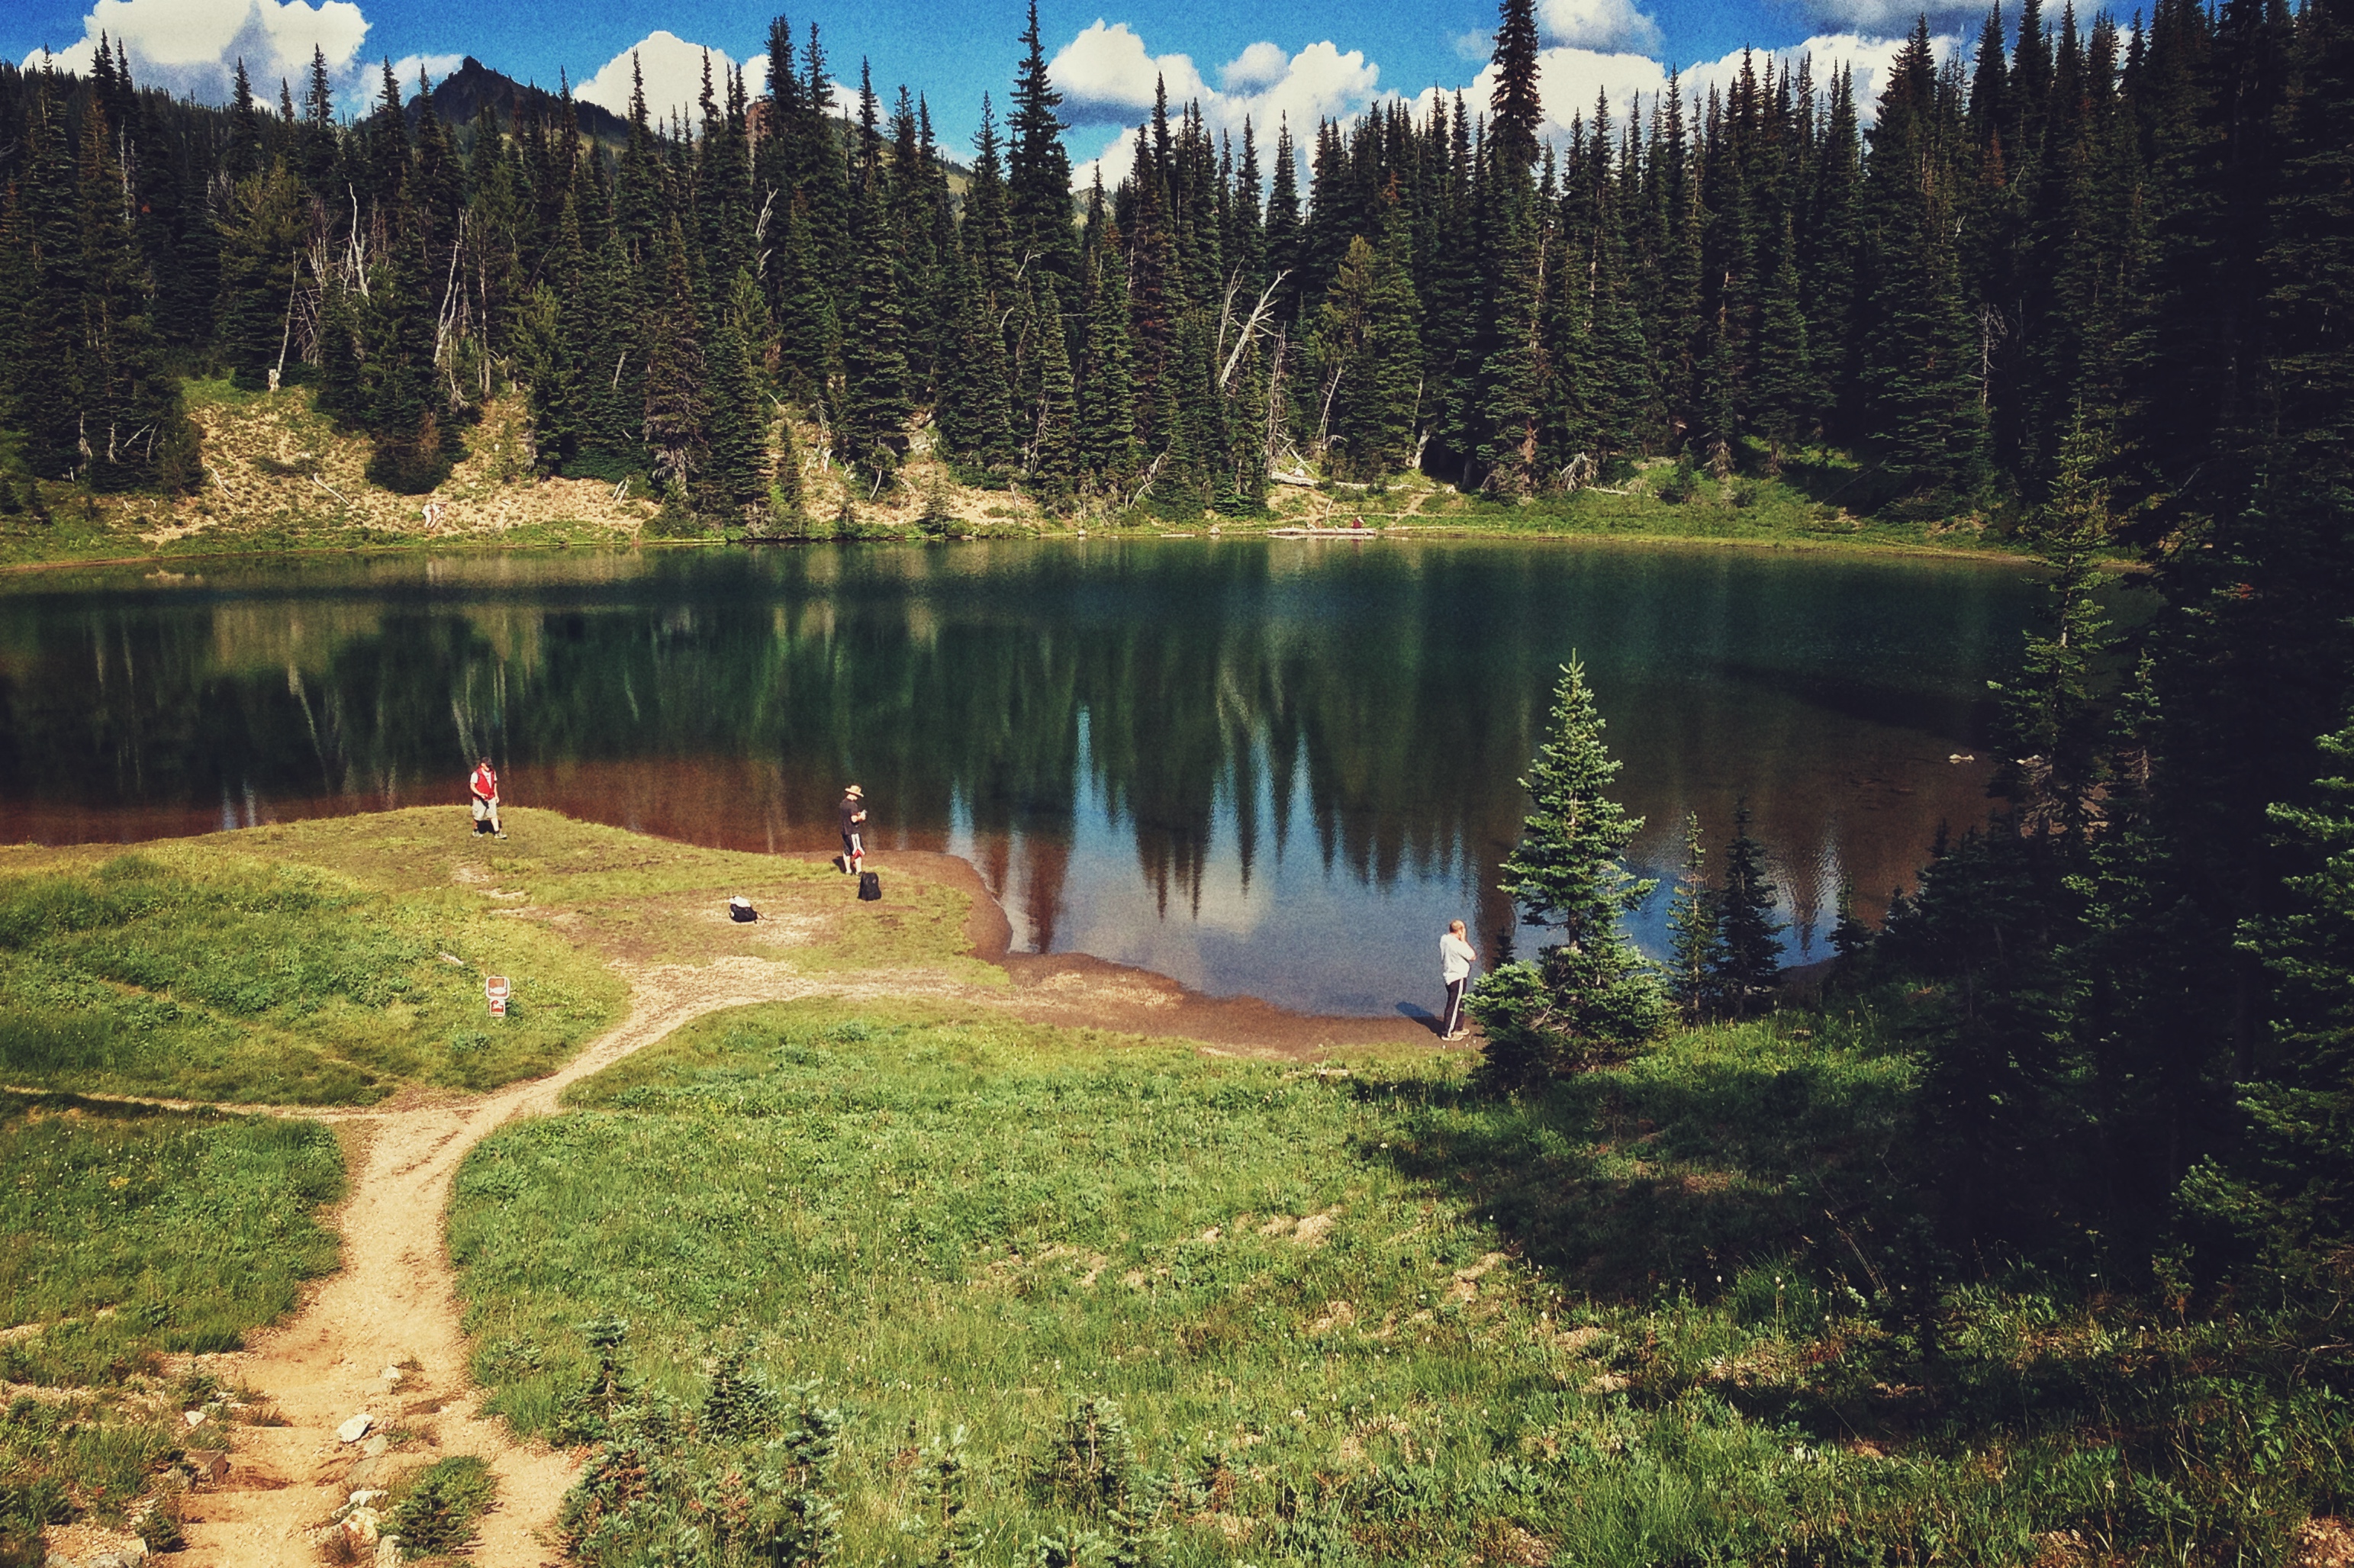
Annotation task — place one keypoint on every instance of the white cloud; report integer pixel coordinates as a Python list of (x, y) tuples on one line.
[(1604, 25), (1870, 57), (1885, 17), (193, 45), (1106, 78), (673, 76), (407, 68), (1569, 82), (1596, 48), (1260, 65), (1108, 71)]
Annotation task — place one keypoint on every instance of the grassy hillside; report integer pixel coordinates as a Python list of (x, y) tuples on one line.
[(278, 476), (1004, 1294), (198, 971), (332, 961)]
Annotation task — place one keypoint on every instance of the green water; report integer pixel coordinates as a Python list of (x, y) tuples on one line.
[(1272, 767)]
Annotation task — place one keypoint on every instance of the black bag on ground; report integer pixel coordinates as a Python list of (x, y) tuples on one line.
[(870, 886), (740, 910)]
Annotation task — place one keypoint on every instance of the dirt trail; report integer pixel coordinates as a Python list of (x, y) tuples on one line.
[(395, 1303)]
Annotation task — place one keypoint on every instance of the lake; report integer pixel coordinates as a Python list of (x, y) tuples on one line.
[(1273, 767)]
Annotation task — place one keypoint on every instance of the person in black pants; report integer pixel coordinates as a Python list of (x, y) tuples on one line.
[(852, 811)]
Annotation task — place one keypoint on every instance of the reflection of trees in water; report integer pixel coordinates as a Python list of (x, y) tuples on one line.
[(1395, 694)]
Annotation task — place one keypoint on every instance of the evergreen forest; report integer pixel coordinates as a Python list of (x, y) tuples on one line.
[(2141, 227), (2088, 278)]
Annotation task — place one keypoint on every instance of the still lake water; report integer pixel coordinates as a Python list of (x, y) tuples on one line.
[(1264, 767)]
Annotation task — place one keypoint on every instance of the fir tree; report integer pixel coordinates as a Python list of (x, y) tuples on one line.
[(736, 480), (1919, 367), (678, 402), (1851, 937), (132, 430), (1039, 169), (1053, 446), (1515, 112), (877, 403), (1107, 437), (1749, 954), (2054, 726), (1513, 406), (1694, 947), (1589, 995), (1785, 389), (262, 234), (405, 411), (2288, 1193), (1283, 223)]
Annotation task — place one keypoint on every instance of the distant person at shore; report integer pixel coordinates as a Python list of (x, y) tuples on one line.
[(1456, 957), (852, 811), (483, 786)]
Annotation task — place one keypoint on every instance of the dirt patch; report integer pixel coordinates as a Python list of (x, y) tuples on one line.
[(2325, 1544)]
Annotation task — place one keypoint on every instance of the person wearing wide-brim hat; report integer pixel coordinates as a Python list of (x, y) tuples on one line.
[(852, 811)]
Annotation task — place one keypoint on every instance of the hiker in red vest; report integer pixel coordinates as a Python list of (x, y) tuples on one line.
[(484, 787)]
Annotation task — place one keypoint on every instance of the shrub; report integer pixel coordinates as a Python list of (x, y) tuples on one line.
[(441, 1506)]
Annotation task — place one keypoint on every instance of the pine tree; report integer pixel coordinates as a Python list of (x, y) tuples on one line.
[(736, 480), (1512, 404), (1515, 112), (1053, 446), (1038, 168), (678, 402), (1694, 947), (132, 430), (1919, 365), (2055, 731), (1107, 436), (1784, 395), (263, 231), (877, 402), (1587, 995), (1749, 955)]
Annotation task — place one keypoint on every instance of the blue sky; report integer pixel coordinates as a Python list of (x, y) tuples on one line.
[(1238, 57)]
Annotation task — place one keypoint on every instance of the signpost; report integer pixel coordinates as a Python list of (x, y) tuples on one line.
[(496, 989)]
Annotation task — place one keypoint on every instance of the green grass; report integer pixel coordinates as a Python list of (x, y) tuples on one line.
[(202, 974), (133, 1230), (132, 1233), (1661, 1314)]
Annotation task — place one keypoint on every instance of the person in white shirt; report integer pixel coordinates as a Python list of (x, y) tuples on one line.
[(1456, 957)]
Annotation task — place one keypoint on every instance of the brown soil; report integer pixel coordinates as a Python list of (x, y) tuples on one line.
[(395, 1302)]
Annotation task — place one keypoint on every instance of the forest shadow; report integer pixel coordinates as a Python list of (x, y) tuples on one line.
[(1667, 1175)]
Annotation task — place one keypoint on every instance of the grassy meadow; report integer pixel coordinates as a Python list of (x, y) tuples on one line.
[(330, 962), (212, 975), (930, 1287)]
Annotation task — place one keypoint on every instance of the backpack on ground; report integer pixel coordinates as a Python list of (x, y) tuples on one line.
[(870, 886)]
